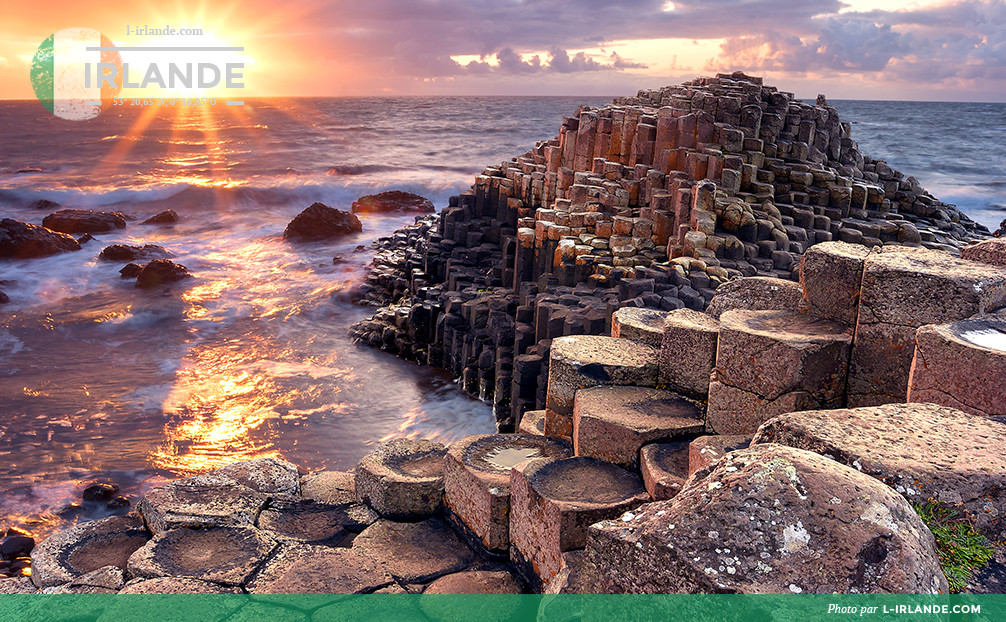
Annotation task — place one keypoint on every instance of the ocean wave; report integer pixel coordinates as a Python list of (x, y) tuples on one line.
[(359, 169)]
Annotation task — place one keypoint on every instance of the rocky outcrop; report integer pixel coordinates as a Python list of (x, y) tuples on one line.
[(390, 202), (43, 204), (129, 252), (161, 272), (769, 519), (321, 222), (20, 240), (403, 478), (653, 201), (84, 221), (923, 451), (167, 217)]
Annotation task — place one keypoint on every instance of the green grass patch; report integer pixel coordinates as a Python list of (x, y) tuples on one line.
[(962, 550)]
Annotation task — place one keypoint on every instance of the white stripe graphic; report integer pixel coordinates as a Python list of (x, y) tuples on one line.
[(71, 99)]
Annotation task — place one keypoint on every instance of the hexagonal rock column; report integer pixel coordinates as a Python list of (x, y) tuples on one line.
[(225, 555), (612, 423), (831, 274), (664, 467), (756, 293), (773, 362), (904, 289), (962, 365), (311, 569), (532, 422), (814, 526), (86, 547), (201, 501), (554, 501), (477, 482), (329, 487), (474, 582), (705, 450), (578, 362), (268, 475), (403, 478), (921, 450), (638, 324), (415, 552), (688, 352), (305, 521)]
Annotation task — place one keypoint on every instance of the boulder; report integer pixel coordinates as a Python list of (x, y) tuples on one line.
[(768, 519), (16, 545), (225, 555), (962, 365), (331, 487), (831, 274), (130, 271), (84, 221), (664, 467), (415, 552), (611, 423), (639, 324), (311, 569), (20, 240), (904, 289), (705, 450), (4, 298), (266, 475), (392, 201), (688, 352), (129, 252), (991, 252), (43, 204), (320, 222), (167, 217), (161, 272), (581, 361), (772, 362), (923, 451), (403, 478), (552, 504), (756, 293), (201, 501), (477, 482), (85, 547)]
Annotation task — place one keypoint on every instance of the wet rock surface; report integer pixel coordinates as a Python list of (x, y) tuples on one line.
[(392, 201), (768, 519), (161, 272), (84, 221), (19, 240), (167, 217), (320, 222), (129, 252)]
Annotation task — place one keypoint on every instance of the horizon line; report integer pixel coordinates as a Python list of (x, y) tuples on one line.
[(513, 96)]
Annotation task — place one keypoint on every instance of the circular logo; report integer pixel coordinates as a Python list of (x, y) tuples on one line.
[(74, 71)]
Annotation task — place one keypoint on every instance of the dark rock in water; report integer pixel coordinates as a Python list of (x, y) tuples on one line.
[(128, 252), (320, 221), (45, 204), (84, 239), (84, 221), (70, 511), (131, 271), (392, 201), (118, 506), (13, 547), (23, 240), (167, 217), (99, 492), (28, 169), (1002, 230), (360, 248), (161, 272), (4, 298)]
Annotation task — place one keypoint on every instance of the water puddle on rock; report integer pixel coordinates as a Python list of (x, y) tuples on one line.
[(991, 338), (509, 457)]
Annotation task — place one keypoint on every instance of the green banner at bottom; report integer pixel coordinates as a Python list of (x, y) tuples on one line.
[(496, 608)]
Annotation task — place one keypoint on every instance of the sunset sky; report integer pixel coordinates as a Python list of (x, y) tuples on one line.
[(876, 49)]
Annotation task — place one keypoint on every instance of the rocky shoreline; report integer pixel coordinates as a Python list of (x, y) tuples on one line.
[(727, 352)]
